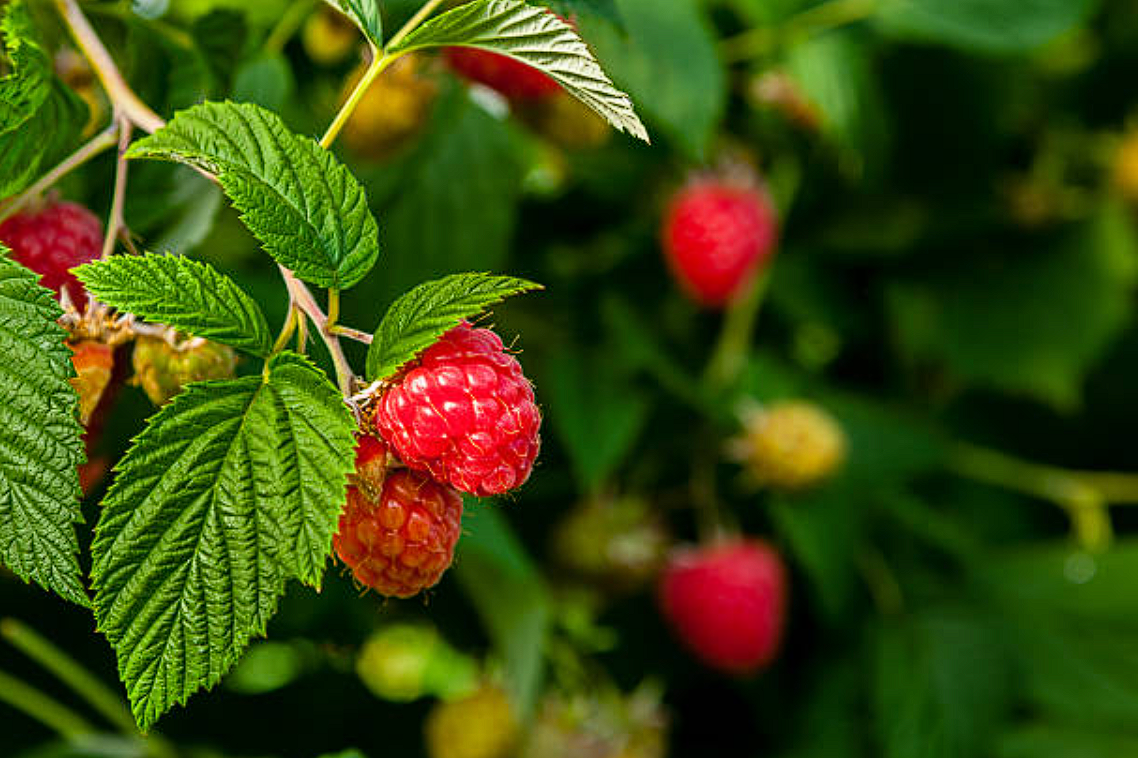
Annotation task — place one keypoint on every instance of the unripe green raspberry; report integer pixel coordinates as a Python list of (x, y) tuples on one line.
[(791, 445), (162, 369), (619, 543), (404, 662)]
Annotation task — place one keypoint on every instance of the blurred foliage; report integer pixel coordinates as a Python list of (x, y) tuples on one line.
[(958, 265)]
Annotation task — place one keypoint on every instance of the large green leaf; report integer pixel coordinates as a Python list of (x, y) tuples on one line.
[(996, 26), (668, 62), (366, 15), (480, 210), (231, 490), (40, 445), (23, 90), (297, 199), (1032, 324), (415, 321), (535, 37), (186, 294)]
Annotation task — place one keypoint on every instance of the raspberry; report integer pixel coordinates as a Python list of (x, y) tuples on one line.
[(716, 237), (328, 36), (465, 413), (94, 364), (404, 662), (618, 543), (480, 725), (726, 602), (792, 445), (162, 369), (401, 542), (510, 77), (392, 111), (54, 240), (1126, 167)]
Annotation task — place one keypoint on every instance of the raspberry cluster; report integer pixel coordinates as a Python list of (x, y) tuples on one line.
[(459, 419)]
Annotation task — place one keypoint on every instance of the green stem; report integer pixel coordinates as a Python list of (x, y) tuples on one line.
[(70, 672), (101, 142), (288, 329), (733, 347), (810, 22), (52, 714), (378, 64), (289, 23), (1085, 496), (116, 222), (333, 309)]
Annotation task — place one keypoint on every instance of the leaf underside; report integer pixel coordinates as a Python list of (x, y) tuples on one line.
[(538, 38)]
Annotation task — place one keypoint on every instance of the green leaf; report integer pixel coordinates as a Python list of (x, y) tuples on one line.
[(506, 588), (481, 210), (365, 14), (296, 197), (231, 490), (1009, 322), (41, 141), (41, 442), (596, 413), (415, 321), (668, 62), (184, 293), (23, 90), (537, 38), (993, 26)]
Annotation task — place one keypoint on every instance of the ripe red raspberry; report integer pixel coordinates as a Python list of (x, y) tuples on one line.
[(54, 240), (464, 412), (716, 237), (512, 78), (402, 541), (727, 603)]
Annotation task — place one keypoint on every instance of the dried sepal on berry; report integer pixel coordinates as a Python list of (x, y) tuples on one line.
[(94, 365)]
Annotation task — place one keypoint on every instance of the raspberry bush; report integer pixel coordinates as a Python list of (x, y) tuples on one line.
[(813, 440)]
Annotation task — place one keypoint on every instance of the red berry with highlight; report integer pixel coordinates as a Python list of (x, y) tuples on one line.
[(400, 542), (54, 240), (512, 78), (716, 236), (465, 413), (727, 603)]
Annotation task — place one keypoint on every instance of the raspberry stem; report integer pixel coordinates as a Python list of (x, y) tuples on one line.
[(101, 142), (1084, 495), (118, 91), (380, 61), (734, 345), (115, 222)]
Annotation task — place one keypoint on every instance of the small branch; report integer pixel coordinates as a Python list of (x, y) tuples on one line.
[(352, 334), (102, 141), (116, 223), (288, 329), (118, 91), (812, 21), (733, 347), (378, 64), (303, 299), (287, 25)]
